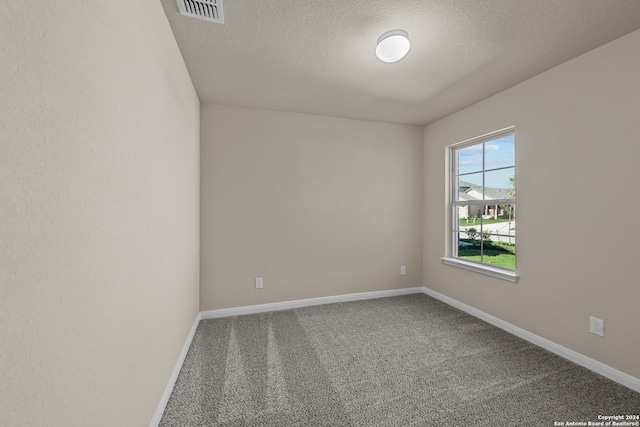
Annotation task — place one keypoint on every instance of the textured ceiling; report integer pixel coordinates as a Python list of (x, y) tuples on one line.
[(317, 57)]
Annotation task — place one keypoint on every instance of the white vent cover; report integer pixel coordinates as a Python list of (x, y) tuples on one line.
[(208, 10)]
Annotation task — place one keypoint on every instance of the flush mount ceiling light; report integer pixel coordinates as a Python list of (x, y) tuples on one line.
[(393, 46)]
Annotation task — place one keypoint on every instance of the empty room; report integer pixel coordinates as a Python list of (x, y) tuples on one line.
[(303, 213)]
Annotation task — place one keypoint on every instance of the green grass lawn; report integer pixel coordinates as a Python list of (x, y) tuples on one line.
[(498, 254)]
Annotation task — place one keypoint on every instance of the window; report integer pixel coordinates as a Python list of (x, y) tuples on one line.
[(483, 204)]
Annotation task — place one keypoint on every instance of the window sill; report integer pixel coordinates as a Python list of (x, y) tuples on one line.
[(488, 270)]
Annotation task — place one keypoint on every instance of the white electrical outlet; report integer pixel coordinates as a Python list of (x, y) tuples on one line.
[(259, 282), (403, 270), (596, 326)]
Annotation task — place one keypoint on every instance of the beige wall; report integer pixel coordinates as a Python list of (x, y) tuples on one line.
[(99, 211), (317, 206), (577, 148)]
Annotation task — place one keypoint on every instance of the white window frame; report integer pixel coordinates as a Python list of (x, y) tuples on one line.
[(452, 258)]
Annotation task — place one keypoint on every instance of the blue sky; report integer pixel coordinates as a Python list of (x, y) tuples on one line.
[(498, 153)]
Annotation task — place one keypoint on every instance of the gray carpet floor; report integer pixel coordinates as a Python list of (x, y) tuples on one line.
[(400, 361)]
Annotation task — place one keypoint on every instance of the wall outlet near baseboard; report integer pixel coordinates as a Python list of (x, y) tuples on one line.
[(403, 270), (596, 326), (259, 282)]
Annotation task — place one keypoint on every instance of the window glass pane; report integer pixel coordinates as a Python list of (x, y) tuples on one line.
[(469, 159), (475, 213), (459, 242), (499, 184), (469, 216), (497, 252), (510, 214), (501, 229), (492, 213), (469, 187), (468, 248), (500, 152), (457, 210)]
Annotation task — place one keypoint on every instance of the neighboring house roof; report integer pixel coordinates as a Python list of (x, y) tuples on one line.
[(469, 191)]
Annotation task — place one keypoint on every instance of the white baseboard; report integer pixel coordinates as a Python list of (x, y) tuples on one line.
[(606, 371), (286, 305), (157, 416)]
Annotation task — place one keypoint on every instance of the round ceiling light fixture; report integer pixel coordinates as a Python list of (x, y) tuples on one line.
[(393, 46)]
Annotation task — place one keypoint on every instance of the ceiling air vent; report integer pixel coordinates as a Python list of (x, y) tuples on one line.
[(207, 10)]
